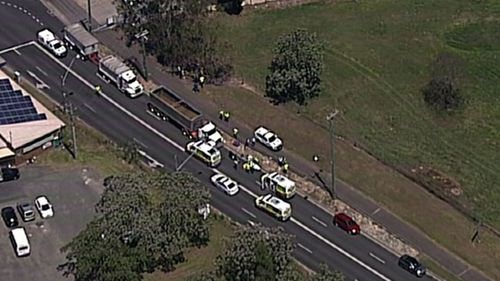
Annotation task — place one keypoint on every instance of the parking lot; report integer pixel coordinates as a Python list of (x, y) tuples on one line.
[(72, 193)]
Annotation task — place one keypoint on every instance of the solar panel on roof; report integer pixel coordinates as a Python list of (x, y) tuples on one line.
[(16, 108)]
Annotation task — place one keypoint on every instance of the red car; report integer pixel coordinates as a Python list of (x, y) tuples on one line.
[(346, 223)]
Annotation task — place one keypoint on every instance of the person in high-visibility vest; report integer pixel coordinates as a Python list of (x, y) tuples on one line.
[(226, 116), (235, 133), (98, 89), (315, 158), (246, 167), (285, 168), (221, 114), (202, 80)]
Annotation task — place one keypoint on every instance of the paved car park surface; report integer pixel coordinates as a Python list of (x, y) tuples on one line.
[(73, 194)]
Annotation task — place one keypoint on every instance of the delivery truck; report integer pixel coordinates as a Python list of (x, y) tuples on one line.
[(81, 41), (115, 71), (168, 106)]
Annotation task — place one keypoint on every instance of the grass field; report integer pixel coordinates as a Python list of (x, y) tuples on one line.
[(377, 59)]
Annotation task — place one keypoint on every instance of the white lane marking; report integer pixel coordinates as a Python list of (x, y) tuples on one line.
[(152, 161), (249, 213), (377, 258), (89, 107), (319, 221), (304, 248), (251, 223), (258, 183), (376, 211), (174, 144), (17, 52), (16, 47), (340, 250), (41, 71), (140, 142)]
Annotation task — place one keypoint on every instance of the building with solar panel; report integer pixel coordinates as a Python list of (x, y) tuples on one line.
[(25, 124)]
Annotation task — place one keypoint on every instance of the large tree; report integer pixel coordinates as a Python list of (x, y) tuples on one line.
[(255, 254), (144, 220), (180, 34), (295, 71)]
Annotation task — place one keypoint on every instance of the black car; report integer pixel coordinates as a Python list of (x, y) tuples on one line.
[(9, 217), (411, 265), (8, 174)]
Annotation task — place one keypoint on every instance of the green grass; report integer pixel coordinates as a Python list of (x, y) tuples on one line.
[(377, 59), (438, 270), (199, 260)]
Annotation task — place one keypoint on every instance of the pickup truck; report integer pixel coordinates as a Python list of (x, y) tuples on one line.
[(49, 40), (268, 138), (167, 106), (112, 69)]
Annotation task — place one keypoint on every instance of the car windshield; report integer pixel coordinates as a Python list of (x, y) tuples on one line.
[(231, 185), (28, 213), (272, 138), (45, 207), (210, 132), (57, 45), (131, 80)]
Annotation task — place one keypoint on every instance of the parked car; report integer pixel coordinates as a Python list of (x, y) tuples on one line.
[(9, 217), (412, 265), (346, 223), (229, 186), (44, 207), (26, 211), (8, 174), (268, 138)]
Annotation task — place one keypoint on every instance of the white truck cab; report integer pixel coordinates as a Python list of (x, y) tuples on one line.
[(210, 132), (131, 85), (279, 184), (49, 40), (206, 151)]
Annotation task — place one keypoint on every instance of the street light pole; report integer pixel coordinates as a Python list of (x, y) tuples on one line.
[(331, 119), (143, 37)]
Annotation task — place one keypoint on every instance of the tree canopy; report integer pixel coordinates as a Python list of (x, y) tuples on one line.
[(262, 254), (180, 34), (295, 71), (145, 222)]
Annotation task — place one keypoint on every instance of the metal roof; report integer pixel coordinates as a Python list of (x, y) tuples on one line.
[(82, 35)]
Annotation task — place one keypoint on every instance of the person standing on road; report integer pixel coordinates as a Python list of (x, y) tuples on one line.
[(221, 114), (285, 168), (202, 81), (226, 116), (235, 132), (98, 90)]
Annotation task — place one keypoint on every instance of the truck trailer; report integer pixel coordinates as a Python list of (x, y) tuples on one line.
[(80, 40), (114, 70), (168, 106)]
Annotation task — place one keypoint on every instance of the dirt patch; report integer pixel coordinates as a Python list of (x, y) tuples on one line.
[(438, 179)]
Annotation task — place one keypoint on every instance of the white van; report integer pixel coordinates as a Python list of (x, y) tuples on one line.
[(49, 40), (20, 241)]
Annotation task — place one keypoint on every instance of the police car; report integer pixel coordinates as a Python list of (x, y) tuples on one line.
[(274, 206), (206, 151), (229, 186), (268, 138)]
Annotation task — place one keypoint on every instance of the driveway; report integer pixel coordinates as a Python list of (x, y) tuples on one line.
[(73, 193)]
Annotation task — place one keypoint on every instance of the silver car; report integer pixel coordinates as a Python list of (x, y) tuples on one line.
[(229, 186), (26, 211)]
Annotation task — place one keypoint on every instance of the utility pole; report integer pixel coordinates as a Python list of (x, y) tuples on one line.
[(178, 168), (331, 119), (89, 9), (68, 106), (143, 37)]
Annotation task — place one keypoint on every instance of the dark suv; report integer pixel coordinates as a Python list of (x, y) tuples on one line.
[(411, 265), (8, 174), (346, 223), (26, 211), (9, 217)]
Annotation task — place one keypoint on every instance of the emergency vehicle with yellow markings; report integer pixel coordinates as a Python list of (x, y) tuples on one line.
[(274, 206), (206, 151), (279, 184)]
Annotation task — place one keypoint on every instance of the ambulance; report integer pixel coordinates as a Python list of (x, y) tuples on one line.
[(279, 184), (274, 206), (206, 151)]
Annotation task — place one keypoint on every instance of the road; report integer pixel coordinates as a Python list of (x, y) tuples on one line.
[(123, 119)]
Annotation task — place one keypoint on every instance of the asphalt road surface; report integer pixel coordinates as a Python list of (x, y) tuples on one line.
[(123, 119)]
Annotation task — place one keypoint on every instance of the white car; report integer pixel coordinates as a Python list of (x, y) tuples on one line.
[(229, 186), (44, 207), (268, 138)]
